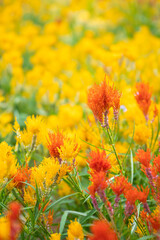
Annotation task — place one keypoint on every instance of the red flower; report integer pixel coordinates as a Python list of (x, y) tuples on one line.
[(101, 98), (22, 175), (98, 161), (143, 195), (156, 164), (99, 184), (144, 157), (102, 230), (13, 216), (143, 97), (120, 186), (55, 141), (132, 195)]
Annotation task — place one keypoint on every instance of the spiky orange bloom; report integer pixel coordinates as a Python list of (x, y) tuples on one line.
[(143, 97), (50, 217), (156, 164), (132, 195), (99, 161), (143, 195), (155, 111), (102, 230), (55, 141), (144, 157), (154, 219), (120, 185), (101, 98), (99, 184), (13, 216), (22, 175)]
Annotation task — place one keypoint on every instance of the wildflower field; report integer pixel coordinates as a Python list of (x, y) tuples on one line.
[(79, 119)]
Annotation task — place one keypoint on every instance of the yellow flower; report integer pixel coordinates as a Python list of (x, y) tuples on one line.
[(70, 115), (30, 196), (142, 134), (7, 162), (5, 123), (45, 174), (75, 231), (141, 228), (35, 130), (64, 189), (4, 228), (69, 150), (62, 172), (55, 236)]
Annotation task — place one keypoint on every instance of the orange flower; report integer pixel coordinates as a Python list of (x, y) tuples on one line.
[(144, 157), (99, 184), (143, 195), (98, 161), (120, 185), (132, 195), (13, 216), (22, 175), (55, 141), (102, 230), (154, 219), (101, 98), (143, 97), (156, 165)]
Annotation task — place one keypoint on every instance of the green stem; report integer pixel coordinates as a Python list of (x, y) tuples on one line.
[(112, 220), (113, 147)]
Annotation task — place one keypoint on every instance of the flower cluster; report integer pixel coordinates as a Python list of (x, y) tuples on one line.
[(101, 98)]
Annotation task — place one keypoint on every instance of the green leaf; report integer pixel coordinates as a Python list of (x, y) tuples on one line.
[(146, 237), (63, 222), (88, 215), (64, 218), (96, 146), (60, 200)]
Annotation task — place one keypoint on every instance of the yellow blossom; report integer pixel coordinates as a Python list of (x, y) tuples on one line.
[(55, 236), (45, 174), (69, 149), (142, 134), (35, 126), (4, 228), (75, 231), (64, 189), (7, 162)]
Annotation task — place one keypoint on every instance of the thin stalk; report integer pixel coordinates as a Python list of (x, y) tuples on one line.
[(113, 147), (112, 221)]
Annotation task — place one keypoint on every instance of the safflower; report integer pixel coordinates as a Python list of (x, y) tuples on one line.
[(101, 230), (98, 184), (55, 141), (100, 99), (144, 157), (63, 147), (22, 176), (120, 186), (131, 196), (99, 161), (143, 97), (13, 216)]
